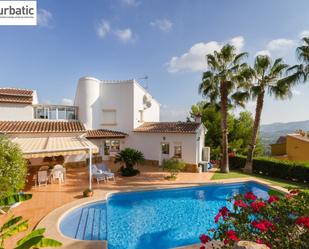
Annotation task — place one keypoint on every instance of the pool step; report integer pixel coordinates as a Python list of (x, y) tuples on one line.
[(92, 224)]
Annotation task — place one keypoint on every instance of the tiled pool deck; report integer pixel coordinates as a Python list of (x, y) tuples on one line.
[(53, 200)]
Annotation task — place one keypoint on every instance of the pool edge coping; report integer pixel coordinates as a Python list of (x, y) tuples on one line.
[(52, 220)]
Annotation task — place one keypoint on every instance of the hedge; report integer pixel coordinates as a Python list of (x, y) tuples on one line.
[(283, 169)]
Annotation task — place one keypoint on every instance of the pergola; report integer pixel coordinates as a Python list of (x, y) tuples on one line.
[(47, 146)]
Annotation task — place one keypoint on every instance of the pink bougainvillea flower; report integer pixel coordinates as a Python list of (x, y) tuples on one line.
[(259, 241), (257, 205), (204, 238), (272, 198), (240, 203), (250, 196), (260, 226), (224, 212), (268, 224), (303, 221), (232, 235), (263, 225), (202, 247)]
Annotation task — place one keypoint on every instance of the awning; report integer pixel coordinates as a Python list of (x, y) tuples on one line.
[(47, 146)]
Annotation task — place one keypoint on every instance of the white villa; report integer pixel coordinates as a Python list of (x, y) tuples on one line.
[(107, 116)]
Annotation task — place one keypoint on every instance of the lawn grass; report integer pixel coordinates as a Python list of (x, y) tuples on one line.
[(282, 183)]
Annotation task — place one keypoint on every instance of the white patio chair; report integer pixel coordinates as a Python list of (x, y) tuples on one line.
[(57, 174), (106, 171), (42, 178), (97, 174)]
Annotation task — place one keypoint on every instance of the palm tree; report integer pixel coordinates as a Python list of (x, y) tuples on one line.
[(219, 85), (300, 72), (265, 76), (130, 157)]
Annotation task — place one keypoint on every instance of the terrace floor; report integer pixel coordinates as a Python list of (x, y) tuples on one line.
[(47, 198)]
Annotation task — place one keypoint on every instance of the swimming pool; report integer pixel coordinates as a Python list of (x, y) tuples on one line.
[(154, 219)]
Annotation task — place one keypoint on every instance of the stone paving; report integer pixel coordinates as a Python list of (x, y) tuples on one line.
[(47, 198)]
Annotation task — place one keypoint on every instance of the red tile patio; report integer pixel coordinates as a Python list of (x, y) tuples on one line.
[(47, 198)]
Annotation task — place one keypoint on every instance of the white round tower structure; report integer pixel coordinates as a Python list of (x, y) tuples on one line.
[(88, 101)]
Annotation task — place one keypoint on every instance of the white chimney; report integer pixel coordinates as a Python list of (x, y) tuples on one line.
[(198, 118)]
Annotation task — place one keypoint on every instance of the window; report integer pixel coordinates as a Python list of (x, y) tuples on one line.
[(109, 117), (71, 113), (141, 116), (111, 146), (165, 148), (178, 151), (61, 113), (41, 113), (54, 112)]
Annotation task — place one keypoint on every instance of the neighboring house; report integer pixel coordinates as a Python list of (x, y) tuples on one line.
[(294, 147), (17, 104), (111, 115), (279, 148)]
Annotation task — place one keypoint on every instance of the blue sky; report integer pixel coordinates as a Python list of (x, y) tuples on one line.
[(165, 40)]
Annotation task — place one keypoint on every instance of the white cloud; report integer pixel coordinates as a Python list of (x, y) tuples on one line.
[(304, 33), (130, 2), (296, 92), (281, 47), (124, 35), (103, 28), (194, 60), (238, 42), (263, 52), (44, 18), (281, 44), (163, 24), (66, 101)]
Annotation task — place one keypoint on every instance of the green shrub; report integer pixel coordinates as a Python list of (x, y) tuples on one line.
[(13, 168), (284, 169), (174, 166)]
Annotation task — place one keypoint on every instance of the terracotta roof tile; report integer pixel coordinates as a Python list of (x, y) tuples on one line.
[(168, 127), (41, 126), (103, 133), (15, 95)]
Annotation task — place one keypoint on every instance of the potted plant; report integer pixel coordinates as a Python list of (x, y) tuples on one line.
[(130, 157), (87, 192)]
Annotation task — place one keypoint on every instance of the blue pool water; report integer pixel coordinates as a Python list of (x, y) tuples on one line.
[(154, 219)]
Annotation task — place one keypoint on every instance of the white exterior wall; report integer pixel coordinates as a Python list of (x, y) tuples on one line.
[(125, 97), (151, 114), (87, 99), (118, 97), (150, 145), (15, 112)]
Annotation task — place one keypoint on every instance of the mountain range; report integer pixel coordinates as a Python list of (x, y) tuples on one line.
[(271, 132)]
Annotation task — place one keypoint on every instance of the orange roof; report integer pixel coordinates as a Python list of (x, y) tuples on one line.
[(15, 95), (300, 137), (168, 127), (41, 126), (103, 133)]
